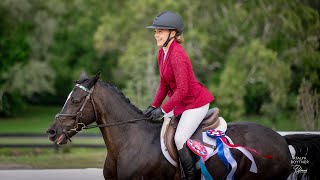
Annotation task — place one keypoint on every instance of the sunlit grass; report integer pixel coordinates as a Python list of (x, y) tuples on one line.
[(33, 119), (42, 158), (44, 140), (36, 119)]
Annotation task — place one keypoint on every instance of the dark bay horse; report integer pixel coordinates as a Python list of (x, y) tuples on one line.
[(134, 144)]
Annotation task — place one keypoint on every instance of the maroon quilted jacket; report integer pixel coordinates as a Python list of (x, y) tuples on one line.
[(178, 81)]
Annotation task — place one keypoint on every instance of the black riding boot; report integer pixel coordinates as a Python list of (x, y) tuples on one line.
[(187, 162)]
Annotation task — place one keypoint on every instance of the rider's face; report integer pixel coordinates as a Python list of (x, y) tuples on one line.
[(161, 36)]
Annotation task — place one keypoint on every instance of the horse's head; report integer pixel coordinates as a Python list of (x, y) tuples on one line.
[(77, 112)]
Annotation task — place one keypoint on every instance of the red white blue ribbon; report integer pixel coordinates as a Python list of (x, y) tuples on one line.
[(226, 156)]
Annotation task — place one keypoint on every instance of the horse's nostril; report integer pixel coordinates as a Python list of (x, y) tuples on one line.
[(51, 132)]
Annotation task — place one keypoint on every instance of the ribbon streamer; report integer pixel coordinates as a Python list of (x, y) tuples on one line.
[(224, 154), (250, 149), (221, 155), (205, 173), (232, 162)]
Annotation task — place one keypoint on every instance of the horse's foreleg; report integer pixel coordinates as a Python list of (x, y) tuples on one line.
[(110, 169)]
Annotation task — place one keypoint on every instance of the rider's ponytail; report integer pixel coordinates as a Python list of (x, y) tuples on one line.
[(179, 39)]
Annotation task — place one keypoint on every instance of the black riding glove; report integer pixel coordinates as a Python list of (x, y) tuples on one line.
[(148, 111), (157, 115)]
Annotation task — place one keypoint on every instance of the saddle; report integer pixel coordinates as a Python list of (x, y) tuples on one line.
[(210, 121)]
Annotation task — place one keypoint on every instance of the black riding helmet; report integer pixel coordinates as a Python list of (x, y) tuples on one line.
[(168, 20)]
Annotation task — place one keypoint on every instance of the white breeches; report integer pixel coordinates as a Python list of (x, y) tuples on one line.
[(188, 124)]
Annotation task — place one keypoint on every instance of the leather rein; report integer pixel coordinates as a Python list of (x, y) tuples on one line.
[(78, 116)]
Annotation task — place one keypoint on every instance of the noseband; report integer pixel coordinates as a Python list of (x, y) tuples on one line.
[(78, 115)]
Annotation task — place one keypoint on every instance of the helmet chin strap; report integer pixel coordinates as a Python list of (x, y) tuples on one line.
[(168, 39)]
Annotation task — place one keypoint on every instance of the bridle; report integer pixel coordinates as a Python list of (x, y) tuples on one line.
[(78, 116)]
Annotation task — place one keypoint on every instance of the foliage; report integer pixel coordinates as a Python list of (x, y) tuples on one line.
[(247, 66), (283, 32), (139, 69), (73, 50), (48, 159), (24, 81), (252, 55), (309, 107), (27, 33), (136, 69)]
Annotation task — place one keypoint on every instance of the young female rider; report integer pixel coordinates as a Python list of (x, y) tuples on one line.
[(187, 97)]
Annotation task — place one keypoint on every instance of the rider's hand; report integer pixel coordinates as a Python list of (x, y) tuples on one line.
[(148, 111), (157, 115)]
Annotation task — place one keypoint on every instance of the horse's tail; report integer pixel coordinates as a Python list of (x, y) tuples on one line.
[(306, 155)]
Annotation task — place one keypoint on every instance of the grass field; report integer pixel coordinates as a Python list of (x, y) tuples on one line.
[(33, 119), (36, 119), (43, 158)]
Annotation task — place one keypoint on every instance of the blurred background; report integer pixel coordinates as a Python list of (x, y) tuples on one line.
[(260, 59)]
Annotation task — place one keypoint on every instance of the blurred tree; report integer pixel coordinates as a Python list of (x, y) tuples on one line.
[(137, 62), (26, 33), (73, 50), (308, 107), (213, 30), (63, 38), (246, 69), (286, 28)]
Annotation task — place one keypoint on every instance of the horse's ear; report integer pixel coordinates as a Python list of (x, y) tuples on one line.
[(96, 77), (83, 76)]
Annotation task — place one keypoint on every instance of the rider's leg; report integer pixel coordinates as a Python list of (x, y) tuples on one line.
[(188, 124)]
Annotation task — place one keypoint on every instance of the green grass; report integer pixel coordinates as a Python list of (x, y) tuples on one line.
[(44, 140), (33, 119), (40, 158), (36, 119)]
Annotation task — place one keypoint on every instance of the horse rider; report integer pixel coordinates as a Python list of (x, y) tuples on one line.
[(188, 98)]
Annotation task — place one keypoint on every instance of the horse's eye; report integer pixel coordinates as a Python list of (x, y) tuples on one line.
[(75, 101)]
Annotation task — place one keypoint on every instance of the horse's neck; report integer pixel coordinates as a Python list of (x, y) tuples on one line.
[(112, 108)]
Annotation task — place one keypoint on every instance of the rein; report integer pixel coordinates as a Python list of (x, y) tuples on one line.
[(78, 116), (114, 124)]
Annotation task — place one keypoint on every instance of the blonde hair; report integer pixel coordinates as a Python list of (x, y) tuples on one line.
[(179, 39)]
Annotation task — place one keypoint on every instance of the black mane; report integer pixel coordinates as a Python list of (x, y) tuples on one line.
[(127, 100)]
